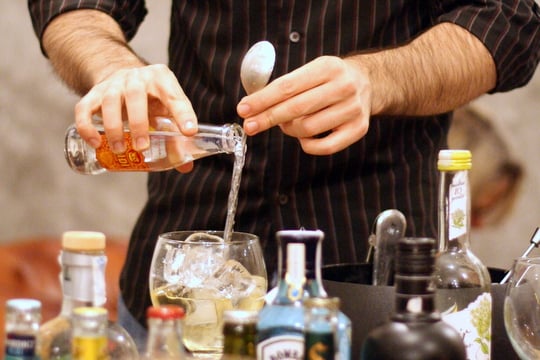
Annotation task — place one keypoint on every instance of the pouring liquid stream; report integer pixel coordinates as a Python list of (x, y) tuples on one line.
[(232, 202), (256, 68)]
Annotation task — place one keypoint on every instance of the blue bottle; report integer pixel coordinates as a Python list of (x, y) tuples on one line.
[(281, 323)]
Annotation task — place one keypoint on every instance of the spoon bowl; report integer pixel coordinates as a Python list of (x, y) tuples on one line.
[(257, 66)]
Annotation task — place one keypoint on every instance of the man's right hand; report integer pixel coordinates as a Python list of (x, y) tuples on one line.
[(136, 95), (88, 50)]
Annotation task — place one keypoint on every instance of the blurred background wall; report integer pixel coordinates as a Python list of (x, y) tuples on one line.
[(40, 196)]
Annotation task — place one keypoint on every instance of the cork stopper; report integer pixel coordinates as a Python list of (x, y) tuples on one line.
[(83, 241)]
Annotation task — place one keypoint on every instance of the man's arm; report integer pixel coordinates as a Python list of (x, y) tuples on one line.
[(86, 46), (88, 50), (443, 68), (439, 71)]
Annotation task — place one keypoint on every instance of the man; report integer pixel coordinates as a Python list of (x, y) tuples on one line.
[(350, 124)]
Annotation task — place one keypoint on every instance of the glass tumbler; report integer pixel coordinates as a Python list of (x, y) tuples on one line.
[(522, 308), (207, 276)]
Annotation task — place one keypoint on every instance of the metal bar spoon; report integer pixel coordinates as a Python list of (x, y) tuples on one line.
[(535, 241), (257, 66)]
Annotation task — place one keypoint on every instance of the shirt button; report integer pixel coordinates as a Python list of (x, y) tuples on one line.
[(294, 36), (283, 199)]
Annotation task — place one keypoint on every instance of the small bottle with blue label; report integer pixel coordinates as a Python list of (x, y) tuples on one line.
[(281, 326), (23, 317)]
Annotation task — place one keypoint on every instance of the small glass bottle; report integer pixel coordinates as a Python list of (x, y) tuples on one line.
[(89, 334), (415, 331), (462, 282), (321, 324), (281, 323), (23, 317), (82, 261), (239, 334), (164, 333), (168, 148)]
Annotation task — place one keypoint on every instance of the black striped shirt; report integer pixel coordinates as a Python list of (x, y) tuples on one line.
[(394, 166)]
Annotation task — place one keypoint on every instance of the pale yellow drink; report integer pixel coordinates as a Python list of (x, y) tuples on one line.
[(202, 326)]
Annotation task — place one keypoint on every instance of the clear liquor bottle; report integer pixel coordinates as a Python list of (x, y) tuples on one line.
[(82, 277), (462, 282), (168, 148), (164, 333), (415, 331), (281, 325)]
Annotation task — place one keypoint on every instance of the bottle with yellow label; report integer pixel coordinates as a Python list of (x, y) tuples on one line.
[(168, 148), (89, 340), (462, 282)]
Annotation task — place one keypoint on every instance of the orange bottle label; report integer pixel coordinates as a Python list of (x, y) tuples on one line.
[(129, 160)]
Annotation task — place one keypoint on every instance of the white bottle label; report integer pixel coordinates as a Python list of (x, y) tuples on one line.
[(158, 150), (457, 207), (283, 347), (474, 326)]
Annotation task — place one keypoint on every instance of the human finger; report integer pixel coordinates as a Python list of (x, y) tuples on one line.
[(343, 126), (136, 104), (166, 88), (84, 110), (290, 96), (302, 112), (333, 142), (111, 112), (185, 168)]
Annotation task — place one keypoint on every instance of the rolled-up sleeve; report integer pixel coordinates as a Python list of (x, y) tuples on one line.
[(510, 31), (128, 13)]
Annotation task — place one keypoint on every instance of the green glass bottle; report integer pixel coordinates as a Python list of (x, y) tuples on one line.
[(239, 334)]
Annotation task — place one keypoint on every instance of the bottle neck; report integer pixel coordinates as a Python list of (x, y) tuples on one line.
[(454, 210), (82, 278), (299, 269), (164, 338), (415, 298), (413, 281)]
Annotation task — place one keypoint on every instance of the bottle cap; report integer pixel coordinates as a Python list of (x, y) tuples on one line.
[(415, 256), (240, 316), (165, 312), (454, 160), (83, 241), (23, 305), (90, 312), (312, 241)]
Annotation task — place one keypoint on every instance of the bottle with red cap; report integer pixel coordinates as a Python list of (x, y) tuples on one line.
[(164, 333)]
